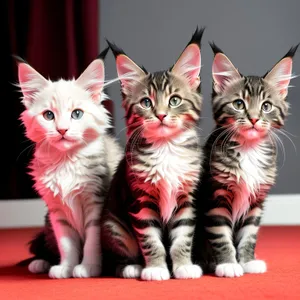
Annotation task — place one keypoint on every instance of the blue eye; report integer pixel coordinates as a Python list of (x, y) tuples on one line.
[(266, 107), (238, 104), (48, 115), (77, 114), (146, 103)]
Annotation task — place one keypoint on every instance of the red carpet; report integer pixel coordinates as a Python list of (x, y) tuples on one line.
[(279, 246)]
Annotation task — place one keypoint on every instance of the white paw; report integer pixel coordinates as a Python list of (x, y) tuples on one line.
[(132, 271), (188, 271), (86, 271), (254, 266), (229, 270), (155, 273), (61, 271), (39, 266)]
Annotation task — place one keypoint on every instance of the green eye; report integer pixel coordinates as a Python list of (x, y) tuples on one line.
[(238, 104), (146, 103), (77, 114), (266, 106), (174, 101), (48, 115)]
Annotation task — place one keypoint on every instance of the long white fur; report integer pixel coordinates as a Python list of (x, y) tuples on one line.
[(67, 185)]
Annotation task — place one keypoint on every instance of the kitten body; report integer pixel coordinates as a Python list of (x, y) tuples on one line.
[(73, 164), (240, 165), (151, 217)]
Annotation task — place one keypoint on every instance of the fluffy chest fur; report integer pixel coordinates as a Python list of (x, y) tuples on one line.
[(254, 169), (166, 171), (69, 182)]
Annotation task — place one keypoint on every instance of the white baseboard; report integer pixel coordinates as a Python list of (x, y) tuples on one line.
[(279, 210)]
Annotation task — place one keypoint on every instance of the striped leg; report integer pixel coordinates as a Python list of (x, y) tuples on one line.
[(147, 225), (246, 242), (182, 228), (68, 241), (119, 239), (91, 262), (218, 225)]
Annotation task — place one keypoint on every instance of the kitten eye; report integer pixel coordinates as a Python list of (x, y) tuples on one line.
[(238, 104), (266, 106), (48, 115), (146, 103), (174, 101), (77, 114)]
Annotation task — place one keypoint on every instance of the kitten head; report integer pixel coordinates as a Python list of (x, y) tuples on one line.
[(161, 105), (66, 114), (250, 105)]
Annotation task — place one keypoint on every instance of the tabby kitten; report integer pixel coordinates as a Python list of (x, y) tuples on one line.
[(240, 163), (73, 163), (151, 195)]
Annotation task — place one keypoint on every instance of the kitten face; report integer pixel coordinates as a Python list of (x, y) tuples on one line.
[(250, 106), (64, 114), (162, 105)]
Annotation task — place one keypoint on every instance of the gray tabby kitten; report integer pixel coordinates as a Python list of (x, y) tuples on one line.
[(151, 197), (73, 163), (240, 163)]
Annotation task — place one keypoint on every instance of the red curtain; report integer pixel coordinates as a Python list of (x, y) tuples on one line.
[(59, 39)]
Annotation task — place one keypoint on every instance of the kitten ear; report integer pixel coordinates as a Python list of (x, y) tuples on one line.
[(128, 71), (31, 82), (92, 78), (281, 73), (189, 62), (223, 70)]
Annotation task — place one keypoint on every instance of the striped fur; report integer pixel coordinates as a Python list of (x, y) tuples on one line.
[(240, 166), (72, 167), (161, 167)]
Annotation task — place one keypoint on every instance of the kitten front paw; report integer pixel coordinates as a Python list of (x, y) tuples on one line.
[(61, 271), (229, 270), (254, 266), (131, 271), (155, 273), (188, 271), (86, 271), (39, 266)]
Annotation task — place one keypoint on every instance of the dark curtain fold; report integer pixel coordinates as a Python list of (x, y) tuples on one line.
[(59, 39)]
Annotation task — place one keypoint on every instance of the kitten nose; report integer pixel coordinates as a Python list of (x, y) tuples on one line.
[(253, 120), (62, 131), (161, 117)]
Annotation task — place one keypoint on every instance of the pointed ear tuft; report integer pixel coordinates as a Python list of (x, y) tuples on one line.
[(128, 71), (223, 71), (197, 36), (115, 49), (92, 79), (281, 74), (103, 54), (31, 82), (215, 48), (189, 63)]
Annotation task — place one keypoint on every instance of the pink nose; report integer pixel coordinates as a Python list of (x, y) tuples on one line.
[(62, 131), (161, 117), (253, 120)]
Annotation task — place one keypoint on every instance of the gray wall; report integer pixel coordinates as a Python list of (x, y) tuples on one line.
[(254, 34)]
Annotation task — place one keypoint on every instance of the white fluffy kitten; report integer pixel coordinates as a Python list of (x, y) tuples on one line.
[(73, 163)]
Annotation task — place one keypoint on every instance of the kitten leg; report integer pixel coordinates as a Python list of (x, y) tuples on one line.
[(118, 238), (182, 232), (246, 242), (91, 265), (218, 226), (68, 242), (147, 225)]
